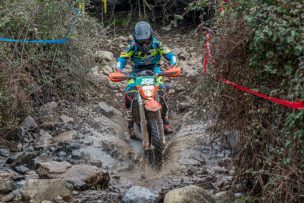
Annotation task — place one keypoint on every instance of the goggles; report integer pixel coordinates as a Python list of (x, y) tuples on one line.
[(143, 42)]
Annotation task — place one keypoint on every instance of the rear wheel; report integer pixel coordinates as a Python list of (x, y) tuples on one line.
[(156, 154)]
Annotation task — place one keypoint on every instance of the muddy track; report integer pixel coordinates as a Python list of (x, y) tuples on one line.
[(99, 138)]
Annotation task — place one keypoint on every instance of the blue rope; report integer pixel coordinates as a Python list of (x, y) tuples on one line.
[(48, 41), (39, 41)]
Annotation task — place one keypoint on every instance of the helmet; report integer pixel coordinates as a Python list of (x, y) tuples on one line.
[(142, 35)]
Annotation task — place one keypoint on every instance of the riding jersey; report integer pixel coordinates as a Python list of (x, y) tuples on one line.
[(145, 60)]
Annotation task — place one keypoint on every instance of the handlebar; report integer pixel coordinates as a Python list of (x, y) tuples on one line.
[(118, 76)]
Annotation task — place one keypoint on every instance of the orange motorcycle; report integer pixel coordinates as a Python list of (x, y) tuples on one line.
[(146, 111)]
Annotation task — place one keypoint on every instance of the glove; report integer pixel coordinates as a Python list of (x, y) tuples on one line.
[(171, 66)]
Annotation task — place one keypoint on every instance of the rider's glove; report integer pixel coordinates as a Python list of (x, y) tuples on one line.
[(172, 66)]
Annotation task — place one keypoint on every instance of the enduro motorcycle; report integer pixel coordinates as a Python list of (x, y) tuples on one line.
[(146, 111)]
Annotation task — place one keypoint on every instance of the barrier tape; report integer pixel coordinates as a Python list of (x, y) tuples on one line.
[(207, 55), (293, 105), (47, 41)]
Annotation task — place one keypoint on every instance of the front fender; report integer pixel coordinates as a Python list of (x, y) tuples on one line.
[(152, 105)]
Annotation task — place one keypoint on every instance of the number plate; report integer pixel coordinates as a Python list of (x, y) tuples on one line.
[(145, 81)]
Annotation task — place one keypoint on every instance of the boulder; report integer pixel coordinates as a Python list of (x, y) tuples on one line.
[(104, 57), (182, 106), (6, 185), (107, 110), (84, 176), (44, 140), (64, 137), (26, 158), (4, 152), (66, 119), (29, 123), (108, 124), (189, 194), (52, 169), (49, 107), (22, 169), (48, 121), (8, 198), (138, 194), (37, 190)]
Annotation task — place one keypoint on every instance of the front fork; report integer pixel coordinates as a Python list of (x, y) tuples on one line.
[(144, 126)]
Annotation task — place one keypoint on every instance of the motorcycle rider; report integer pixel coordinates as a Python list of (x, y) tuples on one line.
[(145, 52)]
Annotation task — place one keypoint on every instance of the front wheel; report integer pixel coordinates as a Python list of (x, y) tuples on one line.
[(156, 154)]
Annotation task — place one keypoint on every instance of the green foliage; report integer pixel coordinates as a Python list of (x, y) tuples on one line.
[(260, 44), (277, 44)]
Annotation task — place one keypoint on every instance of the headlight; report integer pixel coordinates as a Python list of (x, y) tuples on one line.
[(148, 90)]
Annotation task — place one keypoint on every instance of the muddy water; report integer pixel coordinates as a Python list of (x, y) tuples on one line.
[(191, 157)]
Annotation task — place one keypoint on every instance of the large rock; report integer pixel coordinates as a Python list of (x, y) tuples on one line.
[(29, 123), (49, 107), (6, 185), (8, 198), (107, 110), (37, 190), (84, 176), (52, 169), (189, 194), (4, 152), (104, 57), (64, 137), (139, 194), (44, 140), (24, 159), (66, 119), (108, 124)]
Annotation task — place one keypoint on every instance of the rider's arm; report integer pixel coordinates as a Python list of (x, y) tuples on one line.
[(124, 56), (167, 53)]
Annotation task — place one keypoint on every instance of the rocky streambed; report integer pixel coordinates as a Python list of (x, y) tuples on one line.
[(68, 152)]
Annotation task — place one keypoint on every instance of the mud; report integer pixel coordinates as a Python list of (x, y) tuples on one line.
[(192, 155)]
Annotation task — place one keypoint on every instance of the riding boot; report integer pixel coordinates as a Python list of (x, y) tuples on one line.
[(167, 127), (130, 121)]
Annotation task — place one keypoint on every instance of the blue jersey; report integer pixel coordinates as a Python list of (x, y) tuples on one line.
[(142, 60)]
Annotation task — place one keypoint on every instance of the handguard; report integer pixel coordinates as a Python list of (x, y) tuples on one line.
[(117, 77), (172, 72)]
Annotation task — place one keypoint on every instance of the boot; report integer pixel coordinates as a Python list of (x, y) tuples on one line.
[(167, 127), (131, 130)]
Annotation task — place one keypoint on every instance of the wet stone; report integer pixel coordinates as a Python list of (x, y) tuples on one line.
[(107, 110), (19, 184), (80, 185), (4, 152), (8, 198), (29, 123), (37, 190), (26, 158), (87, 142), (75, 146), (138, 194), (18, 195), (62, 154), (76, 154), (6, 185), (21, 169)]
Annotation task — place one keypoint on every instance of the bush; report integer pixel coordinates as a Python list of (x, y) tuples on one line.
[(33, 74), (260, 44)]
